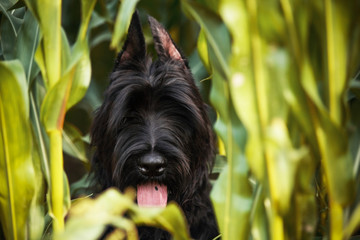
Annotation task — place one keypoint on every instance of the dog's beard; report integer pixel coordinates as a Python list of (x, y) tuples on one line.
[(151, 190)]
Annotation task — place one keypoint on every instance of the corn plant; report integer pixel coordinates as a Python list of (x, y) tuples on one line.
[(283, 78), (43, 76), (280, 89)]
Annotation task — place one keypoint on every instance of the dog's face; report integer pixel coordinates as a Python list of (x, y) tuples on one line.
[(152, 131)]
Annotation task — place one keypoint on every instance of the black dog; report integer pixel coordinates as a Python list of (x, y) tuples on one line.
[(152, 132)]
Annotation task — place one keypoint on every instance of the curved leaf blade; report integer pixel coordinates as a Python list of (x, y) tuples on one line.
[(53, 108), (231, 193), (89, 218), (217, 36), (16, 166), (48, 14), (26, 44), (122, 22), (73, 143)]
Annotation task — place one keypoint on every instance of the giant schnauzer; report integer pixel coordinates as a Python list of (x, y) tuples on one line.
[(152, 132)]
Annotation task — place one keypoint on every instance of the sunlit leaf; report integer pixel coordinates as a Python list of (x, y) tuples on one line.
[(66, 58), (36, 221), (86, 10), (122, 22), (170, 218), (15, 147), (50, 25), (88, 218), (259, 229), (203, 51), (353, 224), (53, 107), (215, 32), (283, 161), (231, 194), (242, 85), (82, 74)]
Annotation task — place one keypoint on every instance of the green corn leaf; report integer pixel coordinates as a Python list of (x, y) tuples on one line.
[(203, 52), (36, 220), (9, 30), (336, 160), (283, 162), (231, 193), (216, 34), (5, 5), (122, 23), (26, 44), (82, 75), (73, 143), (80, 57), (53, 107), (259, 227), (66, 59), (71, 87), (336, 22), (335, 155), (353, 223), (170, 219), (88, 218), (16, 166), (48, 14), (86, 12), (40, 59), (243, 86)]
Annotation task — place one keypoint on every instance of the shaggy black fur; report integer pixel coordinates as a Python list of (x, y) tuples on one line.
[(154, 109)]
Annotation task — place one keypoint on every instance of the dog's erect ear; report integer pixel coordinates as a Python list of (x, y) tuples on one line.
[(164, 45), (134, 47)]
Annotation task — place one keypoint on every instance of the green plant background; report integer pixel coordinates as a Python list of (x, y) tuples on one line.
[(281, 76)]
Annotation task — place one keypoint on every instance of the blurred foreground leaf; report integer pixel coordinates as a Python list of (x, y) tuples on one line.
[(16, 167), (50, 25), (231, 194), (89, 218), (122, 23)]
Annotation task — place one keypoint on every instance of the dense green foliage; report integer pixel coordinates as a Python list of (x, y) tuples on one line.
[(280, 75)]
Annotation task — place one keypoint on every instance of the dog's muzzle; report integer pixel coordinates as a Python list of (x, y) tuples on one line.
[(152, 194), (152, 165)]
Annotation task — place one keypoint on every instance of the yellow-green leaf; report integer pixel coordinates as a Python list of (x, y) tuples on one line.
[(73, 143), (122, 22), (16, 167), (50, 25)]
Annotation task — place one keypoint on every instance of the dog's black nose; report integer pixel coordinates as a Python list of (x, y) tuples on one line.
[(152, 165)]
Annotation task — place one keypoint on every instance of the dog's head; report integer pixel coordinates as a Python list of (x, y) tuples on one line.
[(152, 131)]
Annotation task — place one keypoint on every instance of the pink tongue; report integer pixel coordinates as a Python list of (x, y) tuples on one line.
[(152, 195)]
